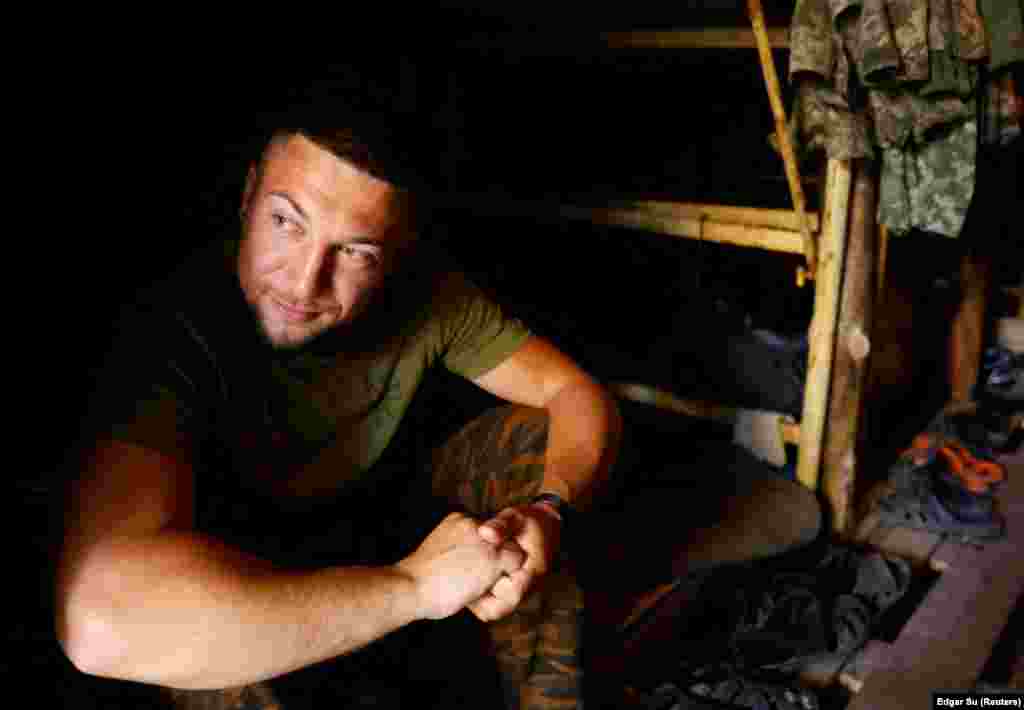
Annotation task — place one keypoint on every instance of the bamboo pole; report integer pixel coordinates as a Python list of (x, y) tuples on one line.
[(770, 229), (853, 344), (751, 216), (707, 38), (699, 409), (662, 399), (771, 80), (823, 323), (770, 238)]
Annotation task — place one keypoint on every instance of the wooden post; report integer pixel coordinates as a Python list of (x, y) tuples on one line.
[(853, 344), (823, 324), (771, 80)]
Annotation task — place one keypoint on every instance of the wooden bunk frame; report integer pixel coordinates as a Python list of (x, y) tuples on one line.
[(840, 249)]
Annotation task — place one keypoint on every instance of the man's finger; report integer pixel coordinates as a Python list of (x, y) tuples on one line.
[(505, 596), (512, 588), (502, 526), (511, 557), (490, 608)]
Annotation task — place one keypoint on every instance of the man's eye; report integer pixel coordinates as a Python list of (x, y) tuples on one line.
[(280, 221), (361, 257)]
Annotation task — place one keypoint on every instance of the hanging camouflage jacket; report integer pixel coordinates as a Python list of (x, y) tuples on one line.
[(917, 62)]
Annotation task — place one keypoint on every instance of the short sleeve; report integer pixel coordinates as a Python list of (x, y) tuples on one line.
[(476, 334)]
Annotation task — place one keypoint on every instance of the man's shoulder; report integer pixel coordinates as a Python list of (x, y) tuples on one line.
[(193, 304)]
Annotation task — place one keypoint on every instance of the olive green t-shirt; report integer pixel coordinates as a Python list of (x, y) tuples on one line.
[(189, 375)]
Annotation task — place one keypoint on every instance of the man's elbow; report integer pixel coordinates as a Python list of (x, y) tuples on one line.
[(85, 617), (88, 638)]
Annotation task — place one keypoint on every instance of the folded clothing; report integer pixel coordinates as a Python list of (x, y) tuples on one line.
[(750, 629)]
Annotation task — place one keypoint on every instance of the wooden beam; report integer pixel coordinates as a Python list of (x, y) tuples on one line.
[(751, 216), (762, 228), (841, 452), (823, 323), (648, 394), (707, 38), (663, 222)]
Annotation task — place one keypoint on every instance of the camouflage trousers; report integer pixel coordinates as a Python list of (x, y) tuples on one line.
[(495, 461)]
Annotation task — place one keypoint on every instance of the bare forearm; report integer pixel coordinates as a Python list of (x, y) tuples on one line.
[(583, 439), (183, 610)]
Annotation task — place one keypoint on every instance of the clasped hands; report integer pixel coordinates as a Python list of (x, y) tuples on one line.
[(487, 567)]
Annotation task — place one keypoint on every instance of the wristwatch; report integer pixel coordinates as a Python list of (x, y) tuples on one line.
[(562, 508)]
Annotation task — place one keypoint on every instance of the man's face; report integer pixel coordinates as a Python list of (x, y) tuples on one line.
[(318, 237)]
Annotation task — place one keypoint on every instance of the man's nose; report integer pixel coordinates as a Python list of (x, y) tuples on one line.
[(314, 265)]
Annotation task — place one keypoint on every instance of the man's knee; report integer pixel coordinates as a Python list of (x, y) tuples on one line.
[(494, 461)]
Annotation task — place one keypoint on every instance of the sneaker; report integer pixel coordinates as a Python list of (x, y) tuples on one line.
[(913, 501)]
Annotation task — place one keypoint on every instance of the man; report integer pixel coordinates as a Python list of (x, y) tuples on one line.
[(253, 518), (219, 534)]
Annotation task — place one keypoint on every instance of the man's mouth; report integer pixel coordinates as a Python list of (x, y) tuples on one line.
[(294, 313)]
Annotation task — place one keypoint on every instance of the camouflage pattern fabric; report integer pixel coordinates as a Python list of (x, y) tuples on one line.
[(908, 53), (972, 39), (822, 120), (822, 117), (929, 187), (880, 59), (940, 20), (887, 39), (257, 696), (496, 461), (1004, 22), (920, 63), (949, 73), (903, 120), (811, 44)]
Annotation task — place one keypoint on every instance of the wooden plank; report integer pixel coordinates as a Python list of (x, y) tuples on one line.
[(823, 324), (782, 134), (950, 636), (706, 38), (841, 446)]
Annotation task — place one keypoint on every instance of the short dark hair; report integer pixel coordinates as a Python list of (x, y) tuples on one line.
[(374, 143), (383, 143)]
